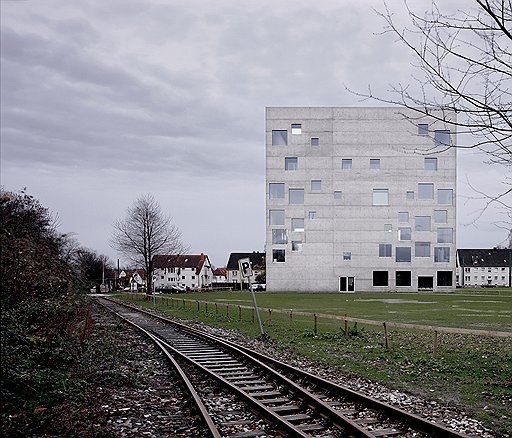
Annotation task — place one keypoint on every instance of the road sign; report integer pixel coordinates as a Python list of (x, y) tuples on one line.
[(245, 267)]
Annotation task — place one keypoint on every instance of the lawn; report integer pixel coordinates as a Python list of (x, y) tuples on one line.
[(468, 371)]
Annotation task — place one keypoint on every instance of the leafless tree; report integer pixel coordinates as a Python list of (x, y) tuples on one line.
[(145, 232), (465, 65)]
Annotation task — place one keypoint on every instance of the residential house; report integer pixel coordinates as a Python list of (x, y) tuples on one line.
[(257, 260), (191, 271), (484, 267)]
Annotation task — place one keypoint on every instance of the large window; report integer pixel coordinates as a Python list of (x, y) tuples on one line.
[(276, 217), (442, 137), (374, 163), (385, 249), (440, 216), (380, 197), (403, 278), (430, 163), (404, 233), (278, 255), (291, 163), (422, 249), (296, 196), (298, 224), (445, 235), (279, 138), (425, 191), (403, 254), (279, 236), (380, 278), (444, 278), (445, 196), (422, 223), (441, 254), (346, 163), (316, 185), (296, 128), (276, 190)]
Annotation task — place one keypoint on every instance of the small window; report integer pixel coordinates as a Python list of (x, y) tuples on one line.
[(316, 185), (291, 163), (279, 236), (296, 245), (347, 255), (298, 224), (312, 214), (409, 195), (380, 197), (425, 191), (422, 223), (380, 278), (338, 194), (403, 254), (445, 235), (445, 196), (422, 128), (441, 254), (444, 278), (430, 163), (276, 190), (440, 216), (346, 163), (278, 255), (385, 249), (296, 196), (276, 217), (296, 128), (442, 137), (374, 163), (403, 278), (422, 249), (315, 141), (279, 138), (403, 216), (404, 233), (388, 228)]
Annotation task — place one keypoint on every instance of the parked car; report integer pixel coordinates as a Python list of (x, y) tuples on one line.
[(259, 287), (175, 289)]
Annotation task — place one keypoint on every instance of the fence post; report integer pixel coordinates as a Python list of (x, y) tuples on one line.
[(183, 302), (197, 301), (291, 318), (206, 307), (252, 315), (269, 316), (434, 346), (386, 338), (346, 325), (315, 324), (216, 308), (227, 309), (239, 313)]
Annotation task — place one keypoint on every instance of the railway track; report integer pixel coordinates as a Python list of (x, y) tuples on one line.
[(292, 402)]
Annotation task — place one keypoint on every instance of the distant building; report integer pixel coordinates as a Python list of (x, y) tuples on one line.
[(359, 199), (257, 261), (192, 271), (484, 267)]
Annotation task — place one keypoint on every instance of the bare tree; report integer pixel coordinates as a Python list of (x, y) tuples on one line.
[(465, 65), (144, 233)]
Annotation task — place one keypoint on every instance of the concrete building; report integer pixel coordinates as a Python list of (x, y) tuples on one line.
[(484, 267), (359, 199)]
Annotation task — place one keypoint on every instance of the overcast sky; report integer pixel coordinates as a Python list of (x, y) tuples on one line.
[(103, 101)]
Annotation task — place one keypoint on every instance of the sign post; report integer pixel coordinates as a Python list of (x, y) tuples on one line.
[(245, 268)]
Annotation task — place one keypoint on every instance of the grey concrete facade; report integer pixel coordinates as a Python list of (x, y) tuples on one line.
[(359, 199)]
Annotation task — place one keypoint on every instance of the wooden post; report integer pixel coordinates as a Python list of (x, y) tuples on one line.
[(386, 338), (315, 324), (205, 307), (183, 302), (216, 308), (291, 319), (252, 315), (197, 301), (227, 309), (435, 344), (346, 326), (269, 316), (239, 313)]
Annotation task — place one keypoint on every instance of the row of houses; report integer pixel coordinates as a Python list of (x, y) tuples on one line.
[(474, 268)]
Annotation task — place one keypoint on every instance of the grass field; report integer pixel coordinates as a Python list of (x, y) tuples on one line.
[(472, 372)]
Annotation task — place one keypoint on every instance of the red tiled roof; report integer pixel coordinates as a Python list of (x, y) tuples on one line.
[(220, 272), (180, 261)]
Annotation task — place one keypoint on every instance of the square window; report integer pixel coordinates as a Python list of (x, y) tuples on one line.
[(403, 216), (425, 191), (347, 255), (316, 185), (279, 236), (296, 245), (403, 278), (296, 128), (276, 217), (388, 228), (380, 278), (403, 254), (296, 196), (346, 163), (409, 195), (445, 235), (444, 278), (430, 163), (385, 249), (276, 190), (442, 137), (380, 197), (338, 194), (291, 163), (441, 254), (440, 216), (422, 128), (404, 233), (312, 214), (278, 255), (422, 223), (374, 163), (422, 249), (298, 224), (315, 141), (445, 196), (279, 138)]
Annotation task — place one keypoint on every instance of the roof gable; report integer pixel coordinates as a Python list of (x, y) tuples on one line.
[(194, 261), (257, 259)]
